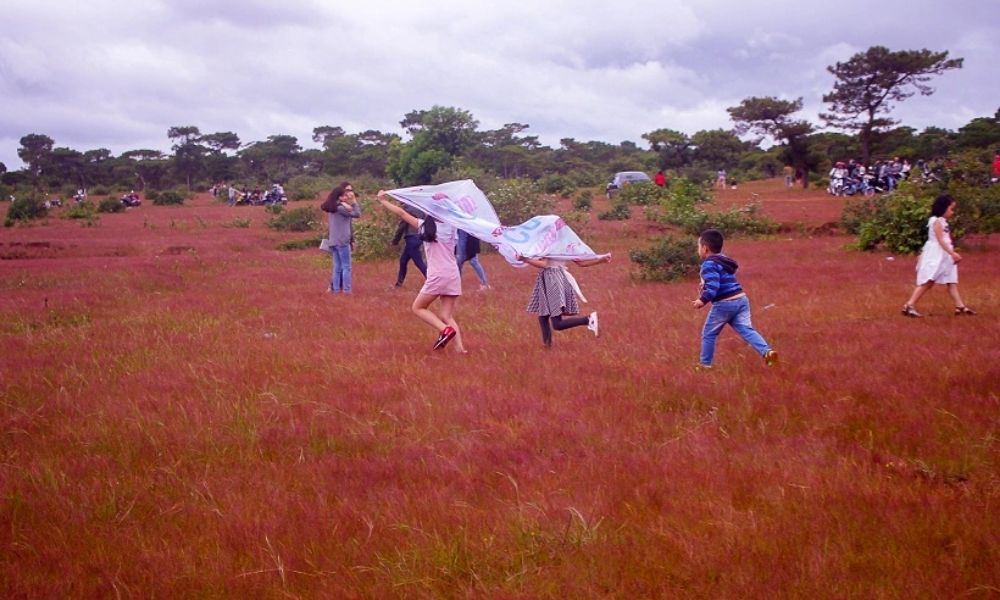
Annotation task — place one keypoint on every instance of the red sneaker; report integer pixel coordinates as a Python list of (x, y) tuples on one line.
[(446, 334)]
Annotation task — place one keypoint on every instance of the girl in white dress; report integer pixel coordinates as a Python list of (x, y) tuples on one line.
[(938, 261)]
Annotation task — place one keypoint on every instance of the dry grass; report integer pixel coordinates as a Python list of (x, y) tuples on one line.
[(185, 413)]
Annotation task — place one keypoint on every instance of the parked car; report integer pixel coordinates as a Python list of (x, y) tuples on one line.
[(623, 178)]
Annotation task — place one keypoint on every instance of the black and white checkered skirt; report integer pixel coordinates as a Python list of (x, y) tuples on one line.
[(553, 295)]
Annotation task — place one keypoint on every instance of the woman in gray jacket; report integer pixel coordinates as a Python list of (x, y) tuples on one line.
[(341, 207)]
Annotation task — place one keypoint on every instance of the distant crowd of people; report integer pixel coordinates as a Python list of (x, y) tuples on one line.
[(852, 177), (246, 197)]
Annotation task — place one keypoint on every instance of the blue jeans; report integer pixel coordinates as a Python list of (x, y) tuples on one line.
[(478, 268), (461, 258), (735, 313), (340, 279)]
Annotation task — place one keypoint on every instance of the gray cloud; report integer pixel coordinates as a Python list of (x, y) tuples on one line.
[(118, 75)]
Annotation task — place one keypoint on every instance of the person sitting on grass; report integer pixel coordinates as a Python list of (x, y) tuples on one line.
[(730, 305)]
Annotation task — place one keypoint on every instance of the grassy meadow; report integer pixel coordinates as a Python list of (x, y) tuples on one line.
[(185, 412)]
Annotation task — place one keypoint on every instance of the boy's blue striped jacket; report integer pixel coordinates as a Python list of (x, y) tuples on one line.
[(718, 279)]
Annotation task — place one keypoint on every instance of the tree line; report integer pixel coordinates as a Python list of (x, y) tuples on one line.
[(446, 142)]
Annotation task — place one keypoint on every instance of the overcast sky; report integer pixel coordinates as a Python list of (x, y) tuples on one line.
[(117, 74)]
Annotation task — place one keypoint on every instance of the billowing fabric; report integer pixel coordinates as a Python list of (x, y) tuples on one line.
[(464, 206)]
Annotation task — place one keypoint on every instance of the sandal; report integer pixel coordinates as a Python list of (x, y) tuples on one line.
[(909, 311), (964, 310)]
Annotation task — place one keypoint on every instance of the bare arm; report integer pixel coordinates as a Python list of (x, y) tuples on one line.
[(541, 263), (398, 211), (948, 248), (592, 261)]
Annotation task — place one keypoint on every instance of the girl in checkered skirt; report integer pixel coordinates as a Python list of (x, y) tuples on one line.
[(554, 296)]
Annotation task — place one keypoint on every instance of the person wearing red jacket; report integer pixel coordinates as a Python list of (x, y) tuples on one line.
[(661, 180)]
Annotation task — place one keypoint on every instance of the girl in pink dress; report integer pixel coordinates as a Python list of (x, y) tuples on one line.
[(443, 278)]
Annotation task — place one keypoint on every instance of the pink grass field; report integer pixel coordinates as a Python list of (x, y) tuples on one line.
[(185, 412)]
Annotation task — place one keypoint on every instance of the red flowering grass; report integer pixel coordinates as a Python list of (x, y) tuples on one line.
[(186, 412)]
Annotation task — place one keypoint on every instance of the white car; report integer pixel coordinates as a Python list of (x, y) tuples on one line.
[(623, 178)]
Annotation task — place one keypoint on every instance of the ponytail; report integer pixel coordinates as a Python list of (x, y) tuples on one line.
[(428, 230)]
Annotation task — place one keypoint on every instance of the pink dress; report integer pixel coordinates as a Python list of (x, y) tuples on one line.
[(443, 278)]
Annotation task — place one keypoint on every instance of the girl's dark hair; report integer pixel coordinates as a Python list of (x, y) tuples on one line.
[(941, 204), (330, 204), (428, 230)]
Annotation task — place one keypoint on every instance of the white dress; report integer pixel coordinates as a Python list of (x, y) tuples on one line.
[(935, 264)]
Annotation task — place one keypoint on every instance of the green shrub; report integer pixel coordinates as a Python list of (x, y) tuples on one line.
[(25, 209), (682, 189), (110, 205), (577, 219), (899, 221), (681, 208), (169, 198), (305, 218), (620, 211), (152, 195), (373, 232), (82, 210), (98, 190), (978, 209), (461, 168), (859, 210), (517, 200), (557, 184), (669, 260), (303, 244), (274, 209), (584, 201), (744, 219), (642, 194), (238, 223), (309, 187)]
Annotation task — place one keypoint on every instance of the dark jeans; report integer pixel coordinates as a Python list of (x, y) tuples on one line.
[(411, 251)]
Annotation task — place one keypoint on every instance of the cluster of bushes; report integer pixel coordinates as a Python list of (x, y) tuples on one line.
[(172, 197), (301, 244), (25, 209), (644, 194), (517, 200), (110, 205), (898, 221), (619, 211), (80, 211), (308, 187), (670, 259), (584, 201), (373, 234), (305, 218), (682, 208)]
